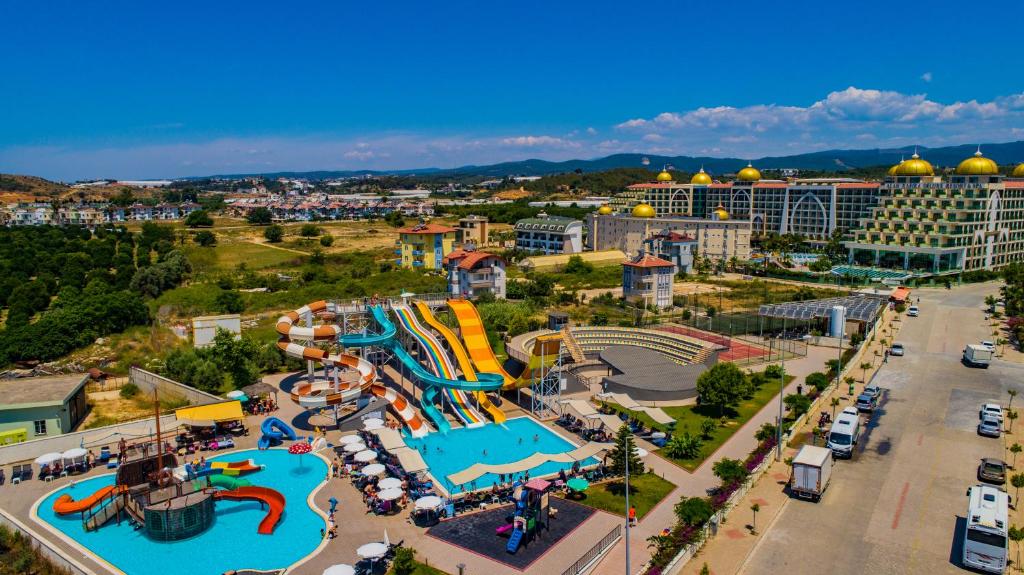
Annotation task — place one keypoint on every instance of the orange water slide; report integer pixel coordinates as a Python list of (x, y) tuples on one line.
[(66, 504), (271, 497)]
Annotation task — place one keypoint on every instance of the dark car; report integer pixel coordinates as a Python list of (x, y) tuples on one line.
[(866, 402), (992, 471)]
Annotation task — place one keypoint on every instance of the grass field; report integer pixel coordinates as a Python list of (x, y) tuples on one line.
[(690, 417), (226, 256), (422, 569), (646, 491)]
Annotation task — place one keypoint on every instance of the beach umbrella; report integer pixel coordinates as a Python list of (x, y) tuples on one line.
[(640, 451), (373, 469), (334, 503), (429, 502), (390, 494), (301, 448), (349, 439), (340, 569), (354, 447), (373, 423), (48, 458), (74, 453), (389, 483), (238, 394), (374, 550), (366, 456), (577, 484)]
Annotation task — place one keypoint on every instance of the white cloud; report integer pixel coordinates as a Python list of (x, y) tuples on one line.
[(539, 142), (927, 76)]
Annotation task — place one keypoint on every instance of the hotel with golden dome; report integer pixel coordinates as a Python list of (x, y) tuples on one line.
[(971, 219)]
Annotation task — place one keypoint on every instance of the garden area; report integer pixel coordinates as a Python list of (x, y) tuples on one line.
[(732, 398), (645, 491)]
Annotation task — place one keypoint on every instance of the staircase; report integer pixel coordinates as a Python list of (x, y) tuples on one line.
[(572, 346)]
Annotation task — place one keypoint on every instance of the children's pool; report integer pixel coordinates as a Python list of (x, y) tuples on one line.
[(516, 439), (231, 543)]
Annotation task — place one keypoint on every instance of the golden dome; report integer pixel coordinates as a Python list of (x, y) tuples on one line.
[(721, 213), (664, 176), (892, 170), (643, 210), (915, 166), (977, 165), (701, 178), (749, 174), (1018, 172), (605, 210)]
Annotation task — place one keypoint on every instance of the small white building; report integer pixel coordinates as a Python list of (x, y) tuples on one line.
[(204, 328), (648, 280), (471, 273)]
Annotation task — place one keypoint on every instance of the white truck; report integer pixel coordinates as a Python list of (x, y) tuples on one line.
[(812, 468), (976, 355)]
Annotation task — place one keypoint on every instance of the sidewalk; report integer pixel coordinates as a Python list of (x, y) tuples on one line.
[(726, 552)]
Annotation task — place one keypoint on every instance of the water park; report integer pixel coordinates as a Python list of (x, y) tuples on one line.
[(444, 445)]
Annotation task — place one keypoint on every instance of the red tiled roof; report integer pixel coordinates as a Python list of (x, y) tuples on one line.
[(457, 254), (1015, 184), (426, 229), (771, 185), (473, 258), (723, 186), (648, 261), (858, 185)]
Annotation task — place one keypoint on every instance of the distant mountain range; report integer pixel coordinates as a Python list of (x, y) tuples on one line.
[(828, 160)]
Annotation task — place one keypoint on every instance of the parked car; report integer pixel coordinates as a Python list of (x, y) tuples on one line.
[(989, 345), (912, 311), (977, 356), (896, 349), (990, 427), (873, 390), (992, 410), (866, 402), (992, 471)]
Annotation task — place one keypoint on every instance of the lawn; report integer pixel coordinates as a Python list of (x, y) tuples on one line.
[(691, 416), (646, 491), (422, 569), (228, 254)]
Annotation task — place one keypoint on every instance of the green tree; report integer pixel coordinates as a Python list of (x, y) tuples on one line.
[(767, 431), (1012, 393), (395, 219), (711, 311), (577, 265), (817, 380), (327, 240), (274, 233), (864, 367), (797, 404), (1012, 416), (1017, 481), (753, 524), (722, 386), (625, 450), (1016, 534), (705, 570), (404, 562), (729, 470), (693, 511), (309, 230), (1015, 449), (229, 301), (990, 301), (684, 445), (260, 216), (708, 427), (199, 219), (205, 238)]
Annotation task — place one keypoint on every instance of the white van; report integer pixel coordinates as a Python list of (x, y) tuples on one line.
[(985, 533), (843, 435)]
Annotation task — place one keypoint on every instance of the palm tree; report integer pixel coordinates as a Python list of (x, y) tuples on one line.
[(834, 403), (1012, 393), (1015, 449), (990, 301), (1016, 534), (864, 371), (753, 524), (1017, 481)]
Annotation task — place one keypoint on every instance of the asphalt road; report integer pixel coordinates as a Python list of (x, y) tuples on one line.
[(898, 506)]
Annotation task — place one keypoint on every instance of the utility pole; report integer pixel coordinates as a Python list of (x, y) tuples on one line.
[(629, 454), (782, 386)]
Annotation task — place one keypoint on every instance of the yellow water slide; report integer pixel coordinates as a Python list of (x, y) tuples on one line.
[(463, 359), (546, 348)]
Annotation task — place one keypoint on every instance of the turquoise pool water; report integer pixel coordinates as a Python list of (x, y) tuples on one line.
[(460, 448), (232, 541)]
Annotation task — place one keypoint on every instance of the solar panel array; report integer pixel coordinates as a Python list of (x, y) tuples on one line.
[(859, 308)]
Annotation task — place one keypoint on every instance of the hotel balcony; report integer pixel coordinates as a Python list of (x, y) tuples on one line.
[(417, 252), (398, 252)]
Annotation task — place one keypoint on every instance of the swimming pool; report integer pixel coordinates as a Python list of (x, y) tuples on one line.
[(457, 450), (232, 541)]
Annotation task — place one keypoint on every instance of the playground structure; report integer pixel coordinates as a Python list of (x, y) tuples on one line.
[(170, 503), (530, 515), (370, 329)]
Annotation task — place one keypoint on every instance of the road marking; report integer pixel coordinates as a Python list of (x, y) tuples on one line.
[(899, 506), (920, 438)]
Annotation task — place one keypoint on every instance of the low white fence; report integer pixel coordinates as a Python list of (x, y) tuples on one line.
[(131, 431), (147, 381)]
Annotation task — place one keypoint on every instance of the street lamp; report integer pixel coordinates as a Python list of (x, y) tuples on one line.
[(629, 453), (782, 386)]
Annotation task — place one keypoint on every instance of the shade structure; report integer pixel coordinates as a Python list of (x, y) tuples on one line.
[(354, 447), (340, 569), (389, 483), (74, 453), (366, 456), (210, 414), (349, 439), (406, 294), (578, 484), (429, 502), (372, 423), (373, 470), (373, 550), (299, 448), (48, 458), (390, 494)]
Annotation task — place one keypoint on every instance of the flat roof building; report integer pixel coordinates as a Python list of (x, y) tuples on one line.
[(549, 234), (35, 407)]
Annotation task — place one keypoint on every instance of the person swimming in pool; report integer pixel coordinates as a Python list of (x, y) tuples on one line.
[(536, 438), (485, 453)]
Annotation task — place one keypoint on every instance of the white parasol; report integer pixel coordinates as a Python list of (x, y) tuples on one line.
[(373, 423), (48, 458), (373, 550), (389, 483), (340, 569), (74, 453), (640, 451), (429, 502), (390, 494), (366, 456), (373, 469), (354, 447), (348, 439)]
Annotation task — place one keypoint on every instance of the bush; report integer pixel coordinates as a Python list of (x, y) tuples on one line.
[(309, 230), (693, 511), (327, 240), (797, 404), (274, 233), (817, 380), (766, 432), (199, 219), (230, 301), (773, 371), (404, 562), (729, 470), (260, 216), (205, 238), (684, 446), (129, 390)]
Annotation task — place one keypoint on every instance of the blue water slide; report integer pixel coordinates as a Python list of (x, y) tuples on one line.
[(514, 540), (274, 430), (377, 339), (431, 411)]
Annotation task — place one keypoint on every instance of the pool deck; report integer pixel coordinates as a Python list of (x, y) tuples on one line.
[(355, 526)]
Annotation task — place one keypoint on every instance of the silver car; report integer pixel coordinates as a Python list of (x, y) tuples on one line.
[(989, 427), (896, 349)]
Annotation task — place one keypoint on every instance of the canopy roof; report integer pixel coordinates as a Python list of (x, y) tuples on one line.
[(410, 459), (207, 415), (479, 469), (860, 307), (259, 388), (389, 438)]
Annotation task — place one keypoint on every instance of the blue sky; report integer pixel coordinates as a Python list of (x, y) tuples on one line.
[(139, 89)]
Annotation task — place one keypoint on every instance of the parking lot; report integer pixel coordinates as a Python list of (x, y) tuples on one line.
[(898, 506)]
